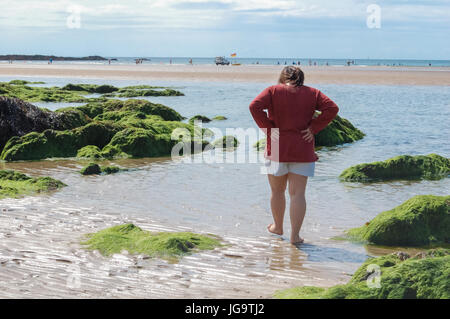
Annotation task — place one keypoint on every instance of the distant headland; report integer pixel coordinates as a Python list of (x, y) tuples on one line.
[(37, 57)]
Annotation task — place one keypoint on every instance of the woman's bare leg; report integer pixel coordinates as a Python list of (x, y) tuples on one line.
[(297, 186), (277, 202)]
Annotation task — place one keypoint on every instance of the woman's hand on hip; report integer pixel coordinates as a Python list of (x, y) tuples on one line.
[(308, 135)]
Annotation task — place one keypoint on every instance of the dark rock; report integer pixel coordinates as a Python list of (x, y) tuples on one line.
[(91, 169), (18, 118)]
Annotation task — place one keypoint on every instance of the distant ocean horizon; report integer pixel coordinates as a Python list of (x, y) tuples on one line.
[(260, 61)]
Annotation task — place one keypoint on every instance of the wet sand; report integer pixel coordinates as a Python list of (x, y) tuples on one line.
[(382, 75), (41, 257)]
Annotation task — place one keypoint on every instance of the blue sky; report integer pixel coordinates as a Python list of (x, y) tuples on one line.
[(252, 28)]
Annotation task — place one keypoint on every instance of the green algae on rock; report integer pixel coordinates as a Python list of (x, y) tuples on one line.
[(91, 88), (219, 118), (95, 169), (23, 82), (128, 91), (140, 124), (117, 109), (106, 129), (18, 118), (421, 220), (45, 94), (76, 92), (431, 166), (91, 169), (137, 241), (131, 92), (15, 184), (424, 276), (199, 118), (139, 142), (90, 151), (111, 169), (228, 141), (339, 131), (51, 143)]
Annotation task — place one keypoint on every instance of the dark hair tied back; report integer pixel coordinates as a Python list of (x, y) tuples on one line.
[(292, 75)]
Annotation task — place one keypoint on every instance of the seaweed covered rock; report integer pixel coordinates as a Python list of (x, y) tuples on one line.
[(146, 107), (140, 138), (77, 92), (128, 91), (15, 184), (108, 129), (137, 241), (91, 169), (90, 151), (339, 131), (133, 92), (51, 143), (95, 169), (91, 88), (23, 82), (139, 142), (228, 141), (18, 118), (199, 118), (431, 166), (219, 118), (45, 94), (117, 109), (111, 169), (421, 220), (424, 276)]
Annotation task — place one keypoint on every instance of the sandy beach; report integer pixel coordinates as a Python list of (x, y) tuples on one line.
[(246, 73)]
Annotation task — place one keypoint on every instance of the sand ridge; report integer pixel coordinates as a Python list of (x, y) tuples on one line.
[(381, 75)]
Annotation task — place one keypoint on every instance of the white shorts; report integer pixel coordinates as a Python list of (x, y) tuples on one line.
[(282, 168)]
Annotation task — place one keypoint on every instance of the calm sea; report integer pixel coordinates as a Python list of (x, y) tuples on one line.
[(267, 61)]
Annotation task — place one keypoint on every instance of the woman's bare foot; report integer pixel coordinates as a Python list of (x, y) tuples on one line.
[(295, 240), (274, 230)]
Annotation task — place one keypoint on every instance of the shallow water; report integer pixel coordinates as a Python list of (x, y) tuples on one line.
[(230, 200)]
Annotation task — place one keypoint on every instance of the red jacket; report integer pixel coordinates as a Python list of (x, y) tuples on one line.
[(290, 109)]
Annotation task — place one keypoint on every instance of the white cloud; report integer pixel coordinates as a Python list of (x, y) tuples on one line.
[(202, 14)]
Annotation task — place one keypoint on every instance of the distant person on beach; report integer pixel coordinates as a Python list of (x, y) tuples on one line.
[(291, 123), (190, 61)]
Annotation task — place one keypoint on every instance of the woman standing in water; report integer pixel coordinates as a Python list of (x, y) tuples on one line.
[(291, 124)]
